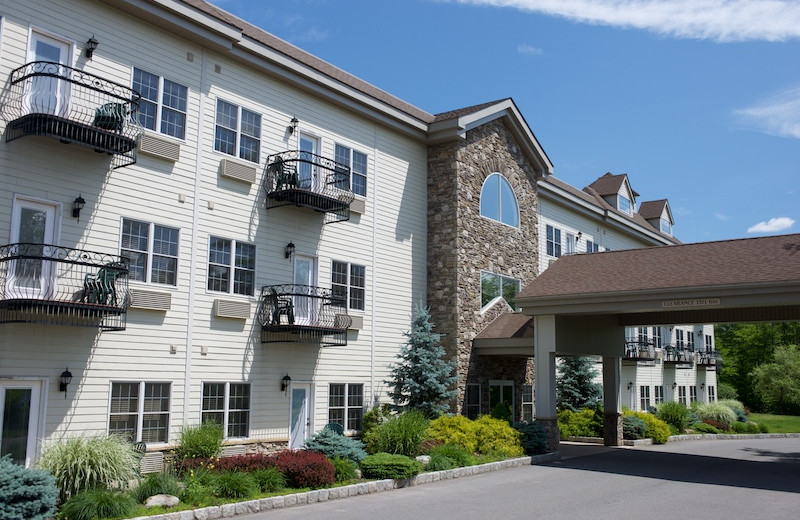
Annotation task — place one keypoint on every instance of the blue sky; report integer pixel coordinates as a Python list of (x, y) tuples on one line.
[(698, 101)]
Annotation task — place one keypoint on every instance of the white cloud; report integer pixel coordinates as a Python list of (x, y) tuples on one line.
[(718, 20), (524, 48), (722, 216), (777, 115), (772, 225)]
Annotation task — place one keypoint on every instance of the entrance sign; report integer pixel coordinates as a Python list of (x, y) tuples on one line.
[(692, 302)]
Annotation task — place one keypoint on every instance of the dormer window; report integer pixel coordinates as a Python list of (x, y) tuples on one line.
[(666, 226), (624, 204)]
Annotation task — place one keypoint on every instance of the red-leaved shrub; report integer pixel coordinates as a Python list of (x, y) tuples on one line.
[(244, 463), (717, 424), (305, 468)]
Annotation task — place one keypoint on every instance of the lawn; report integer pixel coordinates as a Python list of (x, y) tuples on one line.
[(778, 423)]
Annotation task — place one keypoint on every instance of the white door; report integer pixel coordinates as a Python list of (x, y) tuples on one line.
[(305, 278), (33, 226), (49, 94), (19, 420), (300, 419), (307, 172)]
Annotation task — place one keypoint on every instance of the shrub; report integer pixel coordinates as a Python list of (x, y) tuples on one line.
[(702, 427), (389, 465), (691, 417), (532, 437), (156, 484), (455, 454), (401, 434), (439, 462), (454, 429), (718, 425), (374, 417), (657, 429), (763, 428), (733, 404), (502, 411), (332, 444), (583, 423), (25, 494), (196, 485), (305, 468), (726, 391), (745, 427), (82, 463), (345, 469), (200, 441), (98, 503), (269, 479), (234, 484), (633, 428), (673, 413), (243, 463), (497, 437), (717, 412)]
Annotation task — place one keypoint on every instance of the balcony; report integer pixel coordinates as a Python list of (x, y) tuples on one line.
[(678, 357), (303, 314), (53, 285), (636, 351), (709, 360), (49, 99), (296, 178)]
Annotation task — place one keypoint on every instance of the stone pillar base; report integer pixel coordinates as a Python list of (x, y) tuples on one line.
[(612, 429), (553, 433)]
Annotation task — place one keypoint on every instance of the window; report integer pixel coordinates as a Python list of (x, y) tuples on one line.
[(498, 201), (151, 250), (569, 244), (679, 338), (692, 394), (357, 162), (494, 285), (348, 282), (527, 402), (592, 247), (642, 335), (238, 132), (666, 226), (690, 339), (472, 401), (227, 404), (346, 405), (658, 394), (657, 341), (682, 394), (624, 204), (229, 256), (140, 411), (553, 237), (501, 392), (644, 398), (712, 394), (168, 109), (709, 343)]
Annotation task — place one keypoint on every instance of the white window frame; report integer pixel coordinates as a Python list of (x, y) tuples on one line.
[(348, 285), (237, 132), (709, 343), (644, 397), (712, 393), (592, 246), (227, 409), (502, 278), (233, 268), (140, 411), (690, 340), (162, 109), (503, 180), (680, 341), (658, 394), (472, 409), (552, 241), (658, 337), (682, 398), (666, 226), (350, 162), (570, 243), (627, 206), (692, 394), (347, 407), (528, 405), (149, 252)]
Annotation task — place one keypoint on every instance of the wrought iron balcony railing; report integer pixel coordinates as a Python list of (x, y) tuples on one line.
[(296, 178), (709, 359), (54, 285), (303, 314), (50, 99), (678, 356), (639, 351)]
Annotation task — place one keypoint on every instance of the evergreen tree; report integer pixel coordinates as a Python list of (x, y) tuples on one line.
[(575, 386), (422, 379)]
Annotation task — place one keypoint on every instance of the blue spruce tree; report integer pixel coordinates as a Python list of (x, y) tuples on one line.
[(422, 379), (575, 386)]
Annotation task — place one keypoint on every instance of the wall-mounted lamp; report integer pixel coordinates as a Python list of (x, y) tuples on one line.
[(91, 45), (578, 236), (66, 379), (630, 385), (674, 386), (702, 386), (77, 206), (285, 382), (289, 250), (292, 125)]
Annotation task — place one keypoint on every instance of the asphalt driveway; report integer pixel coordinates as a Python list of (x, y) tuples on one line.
[(728, 479)]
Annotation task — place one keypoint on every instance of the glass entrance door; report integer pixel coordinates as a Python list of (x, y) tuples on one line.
[(307, 172), (33, 227), (300, 419), (501, 392), (19, 420), (49, 94), (305, 278)]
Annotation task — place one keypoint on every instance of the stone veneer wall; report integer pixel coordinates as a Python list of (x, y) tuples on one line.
[(462, 243)]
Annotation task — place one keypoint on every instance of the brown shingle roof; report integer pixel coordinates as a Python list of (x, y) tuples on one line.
[(652, 209), (725, 263), (466, 110), (508, 325)]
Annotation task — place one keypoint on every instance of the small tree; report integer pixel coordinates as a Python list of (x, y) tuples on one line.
[(575, 386), (778, 383), (422, 379)]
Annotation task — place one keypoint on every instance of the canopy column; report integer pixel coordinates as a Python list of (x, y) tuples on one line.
[(612, 403), (544, 349)]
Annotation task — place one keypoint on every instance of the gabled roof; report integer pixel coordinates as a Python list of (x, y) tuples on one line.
[(609, 184), (654, 209), (508, 325)]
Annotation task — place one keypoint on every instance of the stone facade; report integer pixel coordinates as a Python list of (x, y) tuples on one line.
[(462, 243)]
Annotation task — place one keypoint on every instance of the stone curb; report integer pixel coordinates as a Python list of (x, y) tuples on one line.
[(362, 488), (693, 437)]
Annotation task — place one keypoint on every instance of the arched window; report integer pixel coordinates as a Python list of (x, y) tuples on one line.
[(498, 201)]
